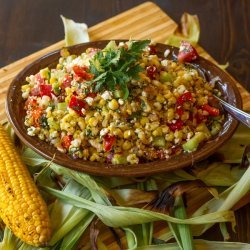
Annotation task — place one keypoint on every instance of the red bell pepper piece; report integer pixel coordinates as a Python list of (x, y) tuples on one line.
[(81, 71), (66, 141), (211, 110), (77, 105), (187, 52), (108, 142), (179, 110), (45, 89), (151, 72), (186, 97), (176, 126)]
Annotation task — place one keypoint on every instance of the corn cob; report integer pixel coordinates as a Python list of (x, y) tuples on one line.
[(22, 208)]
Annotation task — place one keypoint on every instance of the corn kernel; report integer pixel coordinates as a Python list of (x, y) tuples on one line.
[(102, 102), (92, 121), (160, 98), (128, 134), (157, 106), (52, 80), (59, 66), (118, 132), (113, 104), (157, 132), (127, 145), (144, 120)]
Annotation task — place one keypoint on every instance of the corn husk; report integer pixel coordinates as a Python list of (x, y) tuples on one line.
[(75, 33), (201, 245), (188, 31)]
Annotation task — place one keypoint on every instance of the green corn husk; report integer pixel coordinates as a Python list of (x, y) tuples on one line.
[(114, 216), (184, 230)]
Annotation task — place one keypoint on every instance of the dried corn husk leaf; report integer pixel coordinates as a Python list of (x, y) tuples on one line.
[(75, 33), (129, 197), (233, 149), (189, 30)]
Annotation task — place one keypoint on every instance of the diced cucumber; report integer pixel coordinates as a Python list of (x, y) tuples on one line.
[(194, 142), (203, 128), (159, 141), (216, 127), (62, 106), (166, 76)]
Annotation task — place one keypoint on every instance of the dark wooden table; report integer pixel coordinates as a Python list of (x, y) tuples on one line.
[(27, 26)]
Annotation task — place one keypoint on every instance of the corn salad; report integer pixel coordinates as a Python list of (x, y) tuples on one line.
[(169, 110)]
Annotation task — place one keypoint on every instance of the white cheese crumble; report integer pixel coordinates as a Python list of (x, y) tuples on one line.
[(106, 95), (89, 100)]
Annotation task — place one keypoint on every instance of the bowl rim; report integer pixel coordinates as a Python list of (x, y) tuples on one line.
[(105, 169)]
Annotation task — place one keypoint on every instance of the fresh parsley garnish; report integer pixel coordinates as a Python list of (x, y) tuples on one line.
[(114, 67)]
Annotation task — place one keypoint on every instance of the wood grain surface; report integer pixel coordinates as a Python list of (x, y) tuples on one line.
[(27, 26)]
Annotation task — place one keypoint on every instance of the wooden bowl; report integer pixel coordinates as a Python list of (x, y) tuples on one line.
[(16, 114)]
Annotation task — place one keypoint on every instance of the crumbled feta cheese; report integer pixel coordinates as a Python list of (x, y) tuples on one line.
[(121, 101), (76, 143), (106, 95), (144, 93), (164, 63), (44, 101), (104, 131), (89, 100), (83, 110), (31, 131)]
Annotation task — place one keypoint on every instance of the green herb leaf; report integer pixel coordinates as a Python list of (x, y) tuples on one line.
[(114, 67)]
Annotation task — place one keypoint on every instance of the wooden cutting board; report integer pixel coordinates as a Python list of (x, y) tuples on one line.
[(146, 21)]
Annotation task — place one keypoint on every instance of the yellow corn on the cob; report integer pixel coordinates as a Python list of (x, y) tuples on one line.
[(22, 208)]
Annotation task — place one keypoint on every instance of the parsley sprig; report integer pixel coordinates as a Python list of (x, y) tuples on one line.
[(114, 67)]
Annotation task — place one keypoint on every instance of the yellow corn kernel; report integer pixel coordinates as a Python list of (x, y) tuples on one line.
[(52, 80), (118, 132), (85, 153), (25, 87), (157, 132), (127, 145), (160, 98), (113, 104), (81, 123), (128, 134), (44, 73), (22, 208), (169, 137), (144, 120), (59, 66), (157, 106), (94, 157), (170, 114), (92, 121), (102, 102)]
